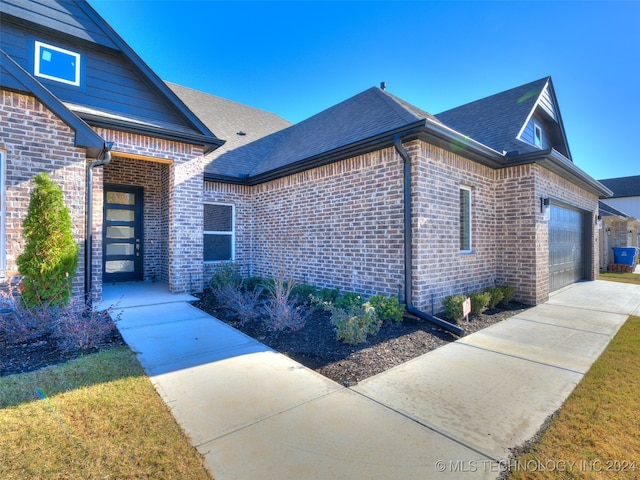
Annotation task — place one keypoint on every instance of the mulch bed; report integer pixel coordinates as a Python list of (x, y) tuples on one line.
[(43, 352), (316, 346)]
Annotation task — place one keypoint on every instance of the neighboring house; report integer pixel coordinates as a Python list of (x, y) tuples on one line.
[(372, 195), (620, 216)]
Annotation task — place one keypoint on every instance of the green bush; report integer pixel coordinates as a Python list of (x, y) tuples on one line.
[(50, 256), (355, 323), (387, 308), (496, 296), (479, 302), (348, 300), (453, 306), (253, 283), (226, 274), (303, 292), (507, 293)]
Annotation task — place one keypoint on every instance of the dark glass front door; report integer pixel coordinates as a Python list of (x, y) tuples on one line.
[(122, 234)]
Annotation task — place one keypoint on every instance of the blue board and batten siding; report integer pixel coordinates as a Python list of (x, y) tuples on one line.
[(109, 82)]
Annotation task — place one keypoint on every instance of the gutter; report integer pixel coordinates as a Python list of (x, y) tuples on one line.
[(408, 243), (103, 159)]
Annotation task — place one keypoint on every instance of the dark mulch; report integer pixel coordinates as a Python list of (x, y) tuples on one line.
[(316, 346), (43, 352)]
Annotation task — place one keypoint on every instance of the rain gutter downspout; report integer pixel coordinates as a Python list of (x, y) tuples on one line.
[(104, 159), (408, 242)]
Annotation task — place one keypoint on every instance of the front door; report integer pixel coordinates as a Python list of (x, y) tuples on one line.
[(122, 233)]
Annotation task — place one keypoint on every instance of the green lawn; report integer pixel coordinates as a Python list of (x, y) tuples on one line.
[(633, 278), (596, 433), (97, 417)]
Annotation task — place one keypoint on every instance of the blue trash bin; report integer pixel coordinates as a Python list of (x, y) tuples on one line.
[(625, 255)]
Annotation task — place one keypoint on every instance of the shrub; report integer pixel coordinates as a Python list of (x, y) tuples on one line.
[(303, 293), (348, 300), (387, 308), (507, 293), (19, 322), (479, 302), (453, 306), (280, 309), (226, 273), (244, 303), (328, 294), (253, 283), (50, 256), (496, 296), (78, 326), (355, 323)]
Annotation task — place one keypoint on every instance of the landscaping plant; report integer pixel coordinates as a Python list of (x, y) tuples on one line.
[(479, 302), (280, 308), (355, 323), (387, 308), (507, 293), (496, 296), (50, 256), (453, 307)]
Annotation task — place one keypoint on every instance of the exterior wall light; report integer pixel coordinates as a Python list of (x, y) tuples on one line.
[(608, 231), (545, 208), (599, 222)]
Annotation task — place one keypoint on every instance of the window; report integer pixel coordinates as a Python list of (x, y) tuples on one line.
[(3, 248), (57, 64), (537, 135), (465, 219), (219, 238)]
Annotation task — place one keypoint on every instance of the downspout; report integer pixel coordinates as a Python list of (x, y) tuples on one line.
[(408, 242), (103, 159)]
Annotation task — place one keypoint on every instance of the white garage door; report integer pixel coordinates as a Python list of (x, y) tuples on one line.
[(566, 249)]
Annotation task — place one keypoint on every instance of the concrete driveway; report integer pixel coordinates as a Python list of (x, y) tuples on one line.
[(452, 413)]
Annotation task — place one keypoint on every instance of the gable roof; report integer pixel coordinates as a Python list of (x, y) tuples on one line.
[(351, 124), (499, 120), (235, 123), (76, 23), (13, 76), (623, 186)]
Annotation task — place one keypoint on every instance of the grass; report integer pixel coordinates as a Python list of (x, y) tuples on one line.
[(95, 417), (595, 433), (633, 278)]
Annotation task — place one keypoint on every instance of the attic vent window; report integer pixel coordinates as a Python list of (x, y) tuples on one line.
[(58, 64), (537, 135)]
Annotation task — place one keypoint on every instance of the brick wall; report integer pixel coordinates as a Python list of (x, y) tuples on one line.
[(173, 182), (342, 225), (36, 141)]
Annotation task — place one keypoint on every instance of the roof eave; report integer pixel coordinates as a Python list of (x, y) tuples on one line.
[(208, 143), (554, 161)]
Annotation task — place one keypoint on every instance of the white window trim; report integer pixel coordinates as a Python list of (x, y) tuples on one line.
[(470, 250), (537, 128), (3, 214), (36, 68), (232, 233)]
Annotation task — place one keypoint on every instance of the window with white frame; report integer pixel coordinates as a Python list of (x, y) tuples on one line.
[(219, 236), (3, 248), (55, 63), (537, 135), (465, 219)]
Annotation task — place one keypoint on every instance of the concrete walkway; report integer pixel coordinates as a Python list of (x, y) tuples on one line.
[(452, 413)]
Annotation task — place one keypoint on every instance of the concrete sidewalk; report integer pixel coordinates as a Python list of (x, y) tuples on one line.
[(453, 412)]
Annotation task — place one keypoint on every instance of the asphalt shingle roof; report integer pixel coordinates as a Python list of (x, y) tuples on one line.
[(623, 186), (358, 118), (495, 121)]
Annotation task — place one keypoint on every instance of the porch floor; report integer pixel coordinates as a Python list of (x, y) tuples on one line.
[(138, 294)]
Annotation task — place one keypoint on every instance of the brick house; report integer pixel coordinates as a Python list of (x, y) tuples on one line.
[(372, 195)]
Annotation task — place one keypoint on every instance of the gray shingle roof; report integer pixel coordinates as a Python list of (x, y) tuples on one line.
[(495, 121), (358, 118), (623, 186)]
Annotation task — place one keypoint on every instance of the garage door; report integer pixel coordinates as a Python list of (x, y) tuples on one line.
[(566, 249)]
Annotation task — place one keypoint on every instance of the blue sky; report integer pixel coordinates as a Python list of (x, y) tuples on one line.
[(297, 58)]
